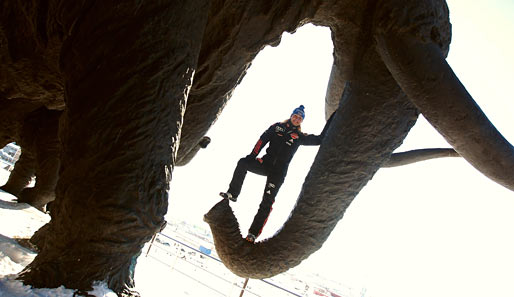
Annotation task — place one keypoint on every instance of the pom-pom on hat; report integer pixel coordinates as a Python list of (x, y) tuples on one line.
[(299, 111)]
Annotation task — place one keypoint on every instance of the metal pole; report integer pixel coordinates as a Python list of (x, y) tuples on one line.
[(244, 288), (150, 246)]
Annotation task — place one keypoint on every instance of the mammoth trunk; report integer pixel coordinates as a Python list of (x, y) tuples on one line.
[(364, 132)]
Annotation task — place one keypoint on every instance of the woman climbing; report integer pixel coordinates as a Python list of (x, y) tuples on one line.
[(284, 139)]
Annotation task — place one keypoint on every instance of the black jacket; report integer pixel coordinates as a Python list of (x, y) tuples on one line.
[(284, 139)]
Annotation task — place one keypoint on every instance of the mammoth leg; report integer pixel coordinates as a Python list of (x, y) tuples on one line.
[(23, 171), (22, 124), (424, 75), (128, 69), (47, 160)]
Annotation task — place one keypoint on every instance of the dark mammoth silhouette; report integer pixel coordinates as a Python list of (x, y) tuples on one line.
[(140, 84)]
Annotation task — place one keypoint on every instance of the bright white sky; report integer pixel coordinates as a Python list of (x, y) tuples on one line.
[(437, 228)]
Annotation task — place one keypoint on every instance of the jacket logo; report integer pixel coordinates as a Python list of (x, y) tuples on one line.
[(294, 136), (279, 129)]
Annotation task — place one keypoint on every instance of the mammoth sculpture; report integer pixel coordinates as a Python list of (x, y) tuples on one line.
[(140, 84)]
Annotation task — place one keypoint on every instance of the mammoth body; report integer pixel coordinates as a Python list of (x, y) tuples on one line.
[(140, 83)]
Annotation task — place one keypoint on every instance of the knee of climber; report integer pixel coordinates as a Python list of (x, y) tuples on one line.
[(242, 162), (242, 165)]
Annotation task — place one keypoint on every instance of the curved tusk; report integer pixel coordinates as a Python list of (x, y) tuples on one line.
[(335, 88), (409, 157), (424, 75)]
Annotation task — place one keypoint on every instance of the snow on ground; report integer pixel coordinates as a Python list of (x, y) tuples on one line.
[(18, 221)]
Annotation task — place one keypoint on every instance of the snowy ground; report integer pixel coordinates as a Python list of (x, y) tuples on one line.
[(19, 220)]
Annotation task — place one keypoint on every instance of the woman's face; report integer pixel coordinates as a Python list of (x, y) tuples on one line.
[(296, 120)]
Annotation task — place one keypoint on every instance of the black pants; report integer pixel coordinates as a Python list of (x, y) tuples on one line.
[(275, 178)]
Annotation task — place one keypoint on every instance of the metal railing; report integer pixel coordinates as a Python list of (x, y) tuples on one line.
[(157, 244), (9, 155)]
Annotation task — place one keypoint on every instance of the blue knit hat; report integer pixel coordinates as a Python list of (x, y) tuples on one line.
[(299, 111)]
